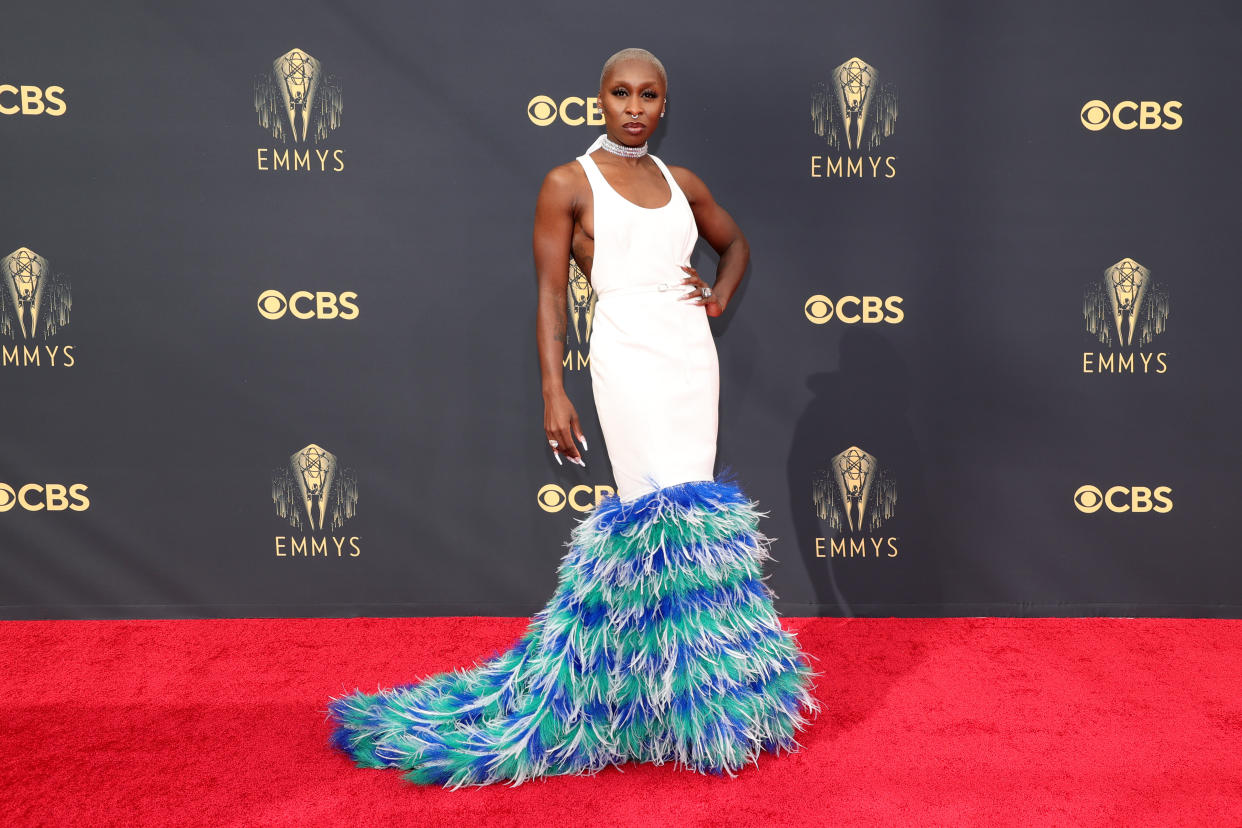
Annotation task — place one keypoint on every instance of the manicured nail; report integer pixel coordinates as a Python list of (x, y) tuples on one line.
[(557, 455), (582, 440), (578, 460)]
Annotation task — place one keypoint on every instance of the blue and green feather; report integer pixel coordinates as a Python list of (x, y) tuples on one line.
[(660, 644)]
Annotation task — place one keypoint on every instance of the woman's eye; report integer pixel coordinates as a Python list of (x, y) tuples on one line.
[(620, 93), (649, 94)]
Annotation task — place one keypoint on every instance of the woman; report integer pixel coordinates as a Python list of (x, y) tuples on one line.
[(661, 642)]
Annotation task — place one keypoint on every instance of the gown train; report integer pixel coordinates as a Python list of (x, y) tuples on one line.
[(659, 644)]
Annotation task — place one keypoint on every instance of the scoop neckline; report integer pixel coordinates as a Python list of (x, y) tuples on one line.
[(671, 195)]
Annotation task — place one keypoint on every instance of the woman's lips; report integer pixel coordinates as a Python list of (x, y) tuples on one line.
[(633, 127)]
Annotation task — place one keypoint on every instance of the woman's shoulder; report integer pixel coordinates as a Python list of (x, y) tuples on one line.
[(565, 182), (569, 173), (685, 178)]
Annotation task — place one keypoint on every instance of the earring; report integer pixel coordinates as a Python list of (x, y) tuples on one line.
[(661, 114)]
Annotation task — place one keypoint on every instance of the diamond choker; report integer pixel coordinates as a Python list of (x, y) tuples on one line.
[(622, 150)]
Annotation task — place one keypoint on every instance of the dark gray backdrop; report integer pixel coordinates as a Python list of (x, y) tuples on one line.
[(183, 400)]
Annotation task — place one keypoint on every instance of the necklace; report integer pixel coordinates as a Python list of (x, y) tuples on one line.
[(622, 150)]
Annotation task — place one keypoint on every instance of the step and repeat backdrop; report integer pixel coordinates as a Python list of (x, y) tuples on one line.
[(267, 301)]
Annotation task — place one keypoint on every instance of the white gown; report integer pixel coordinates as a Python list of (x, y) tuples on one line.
[(654, 368), (661, 642)]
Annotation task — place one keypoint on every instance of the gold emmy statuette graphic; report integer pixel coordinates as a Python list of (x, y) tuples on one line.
[(854, 493), (296, 102), (853, 109), (1126, 302), (581, 300), (312, 493), (34, 301)]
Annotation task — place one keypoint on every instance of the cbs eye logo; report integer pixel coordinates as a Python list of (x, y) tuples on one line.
[(306, 305), (1089, 499), (819, 309), (31, 100), (1128, 115), (552, 498), (544, 111), (38, 497)]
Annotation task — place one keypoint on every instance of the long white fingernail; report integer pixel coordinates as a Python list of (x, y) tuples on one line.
[(583, 441), (557, 455), (578, 460)]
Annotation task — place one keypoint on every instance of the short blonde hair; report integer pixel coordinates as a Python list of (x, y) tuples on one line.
[(627, 54)]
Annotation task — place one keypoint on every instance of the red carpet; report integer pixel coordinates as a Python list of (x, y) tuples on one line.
[(927, 722)]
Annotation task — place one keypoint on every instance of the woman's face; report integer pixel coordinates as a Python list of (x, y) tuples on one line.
[(632, 99)]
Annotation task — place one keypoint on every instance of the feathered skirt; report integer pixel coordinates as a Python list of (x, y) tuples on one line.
[(660, 644)]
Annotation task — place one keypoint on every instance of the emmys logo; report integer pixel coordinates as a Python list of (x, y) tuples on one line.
[(34, 305), (299, 105), (32, 100), (1125, 310), (40, 497), (553, 498), (1119, 499), (820, 310), (856, 496), (1128, 115), (545, 111), (316, 496), (853, 112), (580, 314), (303, 304)]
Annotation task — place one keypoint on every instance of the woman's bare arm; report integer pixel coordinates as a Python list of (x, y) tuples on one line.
[(554, 227), (719, 229)]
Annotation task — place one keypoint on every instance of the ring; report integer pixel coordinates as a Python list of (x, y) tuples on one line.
[(706, 291), (553, 443)]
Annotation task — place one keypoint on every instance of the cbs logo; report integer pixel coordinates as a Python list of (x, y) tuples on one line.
[(31, 100), (552, 498), (819, 309), (1119, 499), (543, 111), (36, 497), (306, 305), (1128, 115)]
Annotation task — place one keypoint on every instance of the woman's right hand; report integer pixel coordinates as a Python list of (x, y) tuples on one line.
[(560, 425)]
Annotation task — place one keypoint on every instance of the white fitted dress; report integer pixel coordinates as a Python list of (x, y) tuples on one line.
[(654, 369), (661, 641)]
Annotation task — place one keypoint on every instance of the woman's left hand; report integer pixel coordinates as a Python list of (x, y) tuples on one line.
[(715, 304)]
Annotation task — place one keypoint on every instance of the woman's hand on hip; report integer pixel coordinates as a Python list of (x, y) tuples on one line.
[(703, 293)]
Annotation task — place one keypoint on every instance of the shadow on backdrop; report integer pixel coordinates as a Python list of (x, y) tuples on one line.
[(855, 462)]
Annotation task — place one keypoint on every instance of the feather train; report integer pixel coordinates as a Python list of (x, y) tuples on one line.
[(659, 644)]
